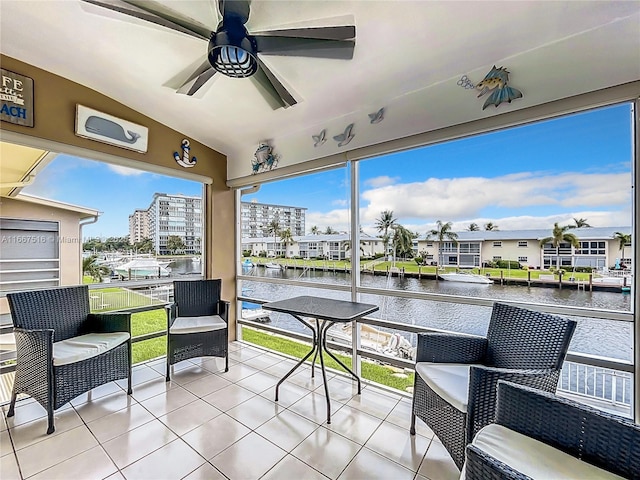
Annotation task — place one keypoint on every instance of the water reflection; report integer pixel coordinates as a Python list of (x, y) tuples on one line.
[(593, 336)]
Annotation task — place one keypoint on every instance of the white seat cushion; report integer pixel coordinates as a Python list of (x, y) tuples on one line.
[(449, 380), (534, 458), (82, 347), (197, 324)]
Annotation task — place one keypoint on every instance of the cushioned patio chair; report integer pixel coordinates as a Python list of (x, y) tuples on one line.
[(63, 350), (197, 322), (456, 375), (539, 435)]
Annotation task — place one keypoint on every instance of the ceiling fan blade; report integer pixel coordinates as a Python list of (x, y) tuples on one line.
[(197, 80), (155, 13), (339, 32), (235, 8), (274, 91), (305, 47)]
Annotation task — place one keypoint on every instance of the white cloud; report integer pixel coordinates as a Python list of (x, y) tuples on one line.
[(126, 171), (381, 181), (459, 198)]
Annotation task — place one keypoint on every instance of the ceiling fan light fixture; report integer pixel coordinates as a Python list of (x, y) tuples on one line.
[(233, 55)]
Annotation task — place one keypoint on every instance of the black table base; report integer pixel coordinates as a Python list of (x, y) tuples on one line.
[(319, 346)]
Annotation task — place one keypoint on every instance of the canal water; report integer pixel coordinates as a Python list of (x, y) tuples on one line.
[(594, 336)]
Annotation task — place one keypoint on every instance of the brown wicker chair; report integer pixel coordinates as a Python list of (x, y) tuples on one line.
[(50, 367), (456, 375), (197, 322)]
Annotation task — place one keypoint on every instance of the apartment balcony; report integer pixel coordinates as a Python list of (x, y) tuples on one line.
[(224, 425)]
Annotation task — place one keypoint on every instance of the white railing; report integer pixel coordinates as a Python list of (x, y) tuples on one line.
[(123, 298), (611, 386)]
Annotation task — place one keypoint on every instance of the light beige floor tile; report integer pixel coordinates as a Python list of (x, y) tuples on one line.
[(287, 430), (216, 365), (207, 385), (255, 411), (354, 424), (236, 345), (29, 433), (104, 406), (228, 397), (340, 389), (92, 464), (190, 416), (368, 464), (161, 367), (326, 451), (141, 374), (151, 388), (401, 416), (291, 467), (305, 380), (51, 451), (395, 443), (205, 472), (259, 382), (280, 369), (3, 420), (9, 468), (6, 447), (189, 374), (117, 423), (98, 392), (132, 446), (168, 401), (171, 462), (215, 435), (438, 464), (288, 394), (115, 476), (263, 361), (233, 463), (314, 407), (28, 411), (245, 354), (240, 371), (374, 402)]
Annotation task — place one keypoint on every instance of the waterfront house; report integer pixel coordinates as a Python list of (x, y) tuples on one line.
[(599, 248)]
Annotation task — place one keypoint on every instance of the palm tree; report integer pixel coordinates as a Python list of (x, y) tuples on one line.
[(402, 241), (624, 239), (175, 244), (490, 226), (560, 235), (442, 231), (315, 230), (330, 231), (580, 223), (286, 238), (383, 224), (473, 227), (91, 267), (273, 228)]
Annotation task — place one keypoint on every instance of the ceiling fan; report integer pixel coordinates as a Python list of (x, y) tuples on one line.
[(234, 52)]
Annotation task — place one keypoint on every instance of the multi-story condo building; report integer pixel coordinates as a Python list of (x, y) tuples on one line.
[(256, 217), (599, 248), (138, 226), (175, 215)]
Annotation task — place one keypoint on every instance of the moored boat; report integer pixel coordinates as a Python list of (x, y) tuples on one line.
[(142, 268), (465, 277), (273, 265)]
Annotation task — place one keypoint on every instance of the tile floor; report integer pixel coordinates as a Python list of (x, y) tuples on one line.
[(207, 424)]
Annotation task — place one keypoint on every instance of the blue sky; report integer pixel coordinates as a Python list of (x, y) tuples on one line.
[(526, 177)]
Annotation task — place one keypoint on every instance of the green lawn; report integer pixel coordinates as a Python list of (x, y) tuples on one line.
[(413, 267), (371, 371)]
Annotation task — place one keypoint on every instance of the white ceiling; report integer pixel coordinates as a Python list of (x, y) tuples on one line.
[(408, 58)]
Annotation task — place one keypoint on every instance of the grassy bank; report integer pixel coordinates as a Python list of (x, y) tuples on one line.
[(384, 375)]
